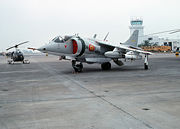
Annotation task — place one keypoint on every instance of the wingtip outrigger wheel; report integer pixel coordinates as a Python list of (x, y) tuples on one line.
[(146, 62)]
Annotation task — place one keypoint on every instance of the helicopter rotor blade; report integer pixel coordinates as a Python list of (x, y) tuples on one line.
[(22, 43), (169, 31), (15, 46), (175, 31), (9, 48)]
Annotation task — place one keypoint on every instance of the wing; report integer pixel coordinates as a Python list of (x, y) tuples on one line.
[(133, 49), (104, 44), (123, 48)]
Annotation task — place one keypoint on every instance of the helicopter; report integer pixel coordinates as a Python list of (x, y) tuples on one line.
[(17, 55)]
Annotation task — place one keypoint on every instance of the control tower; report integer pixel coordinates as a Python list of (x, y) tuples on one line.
[(137, 24)]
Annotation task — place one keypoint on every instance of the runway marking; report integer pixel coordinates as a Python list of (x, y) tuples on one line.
[(19, 71), (79, 84), (28, 81), (47, 100)]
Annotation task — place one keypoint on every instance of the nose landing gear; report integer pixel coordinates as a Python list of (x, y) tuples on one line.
[(77, 67)]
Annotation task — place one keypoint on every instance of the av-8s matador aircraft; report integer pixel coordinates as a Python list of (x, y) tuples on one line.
[(90, 50)]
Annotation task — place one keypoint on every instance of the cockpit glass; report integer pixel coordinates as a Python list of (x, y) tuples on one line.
[(66, 38), (58, 40)]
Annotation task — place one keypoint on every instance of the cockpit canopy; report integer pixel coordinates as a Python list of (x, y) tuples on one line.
[(18, 52), (60, 39)]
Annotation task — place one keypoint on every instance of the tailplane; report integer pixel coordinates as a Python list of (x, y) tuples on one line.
[(133, 40)]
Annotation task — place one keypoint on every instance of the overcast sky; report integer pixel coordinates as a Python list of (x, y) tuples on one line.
[(38, 21)]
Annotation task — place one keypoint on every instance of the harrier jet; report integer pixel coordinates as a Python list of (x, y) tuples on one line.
[(81, 50)]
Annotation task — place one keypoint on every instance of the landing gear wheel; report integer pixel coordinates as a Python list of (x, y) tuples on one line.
[(106, 66), (77, 67), (145, 66), (26, 62), (146, 62), (10, 62)]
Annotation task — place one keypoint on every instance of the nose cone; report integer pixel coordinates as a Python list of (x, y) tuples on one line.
[(43, 48)]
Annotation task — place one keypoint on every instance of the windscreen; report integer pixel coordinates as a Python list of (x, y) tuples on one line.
[(58, 39)]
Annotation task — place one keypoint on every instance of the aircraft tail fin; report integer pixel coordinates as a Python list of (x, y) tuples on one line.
[(133, 40)]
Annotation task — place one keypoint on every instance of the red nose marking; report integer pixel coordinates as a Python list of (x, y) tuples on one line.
[(65, 46)]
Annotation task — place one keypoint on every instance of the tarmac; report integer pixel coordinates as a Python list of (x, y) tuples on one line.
[(46, 94)]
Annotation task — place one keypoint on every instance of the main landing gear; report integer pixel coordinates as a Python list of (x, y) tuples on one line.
[(24, 61), (106, 66), (77, 67), (146, 62), (10, 62)]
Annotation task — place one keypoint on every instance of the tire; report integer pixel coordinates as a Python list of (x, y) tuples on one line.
[(78, 67), (106, 66), (145, 67)]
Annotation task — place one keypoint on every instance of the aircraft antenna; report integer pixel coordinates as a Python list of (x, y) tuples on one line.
[(95, 35), (106, 36)]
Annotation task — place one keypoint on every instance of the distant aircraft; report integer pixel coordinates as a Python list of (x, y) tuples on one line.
[(91, 50), (17, 55)]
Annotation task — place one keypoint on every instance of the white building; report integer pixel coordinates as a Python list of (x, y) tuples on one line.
[(137, 24)]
